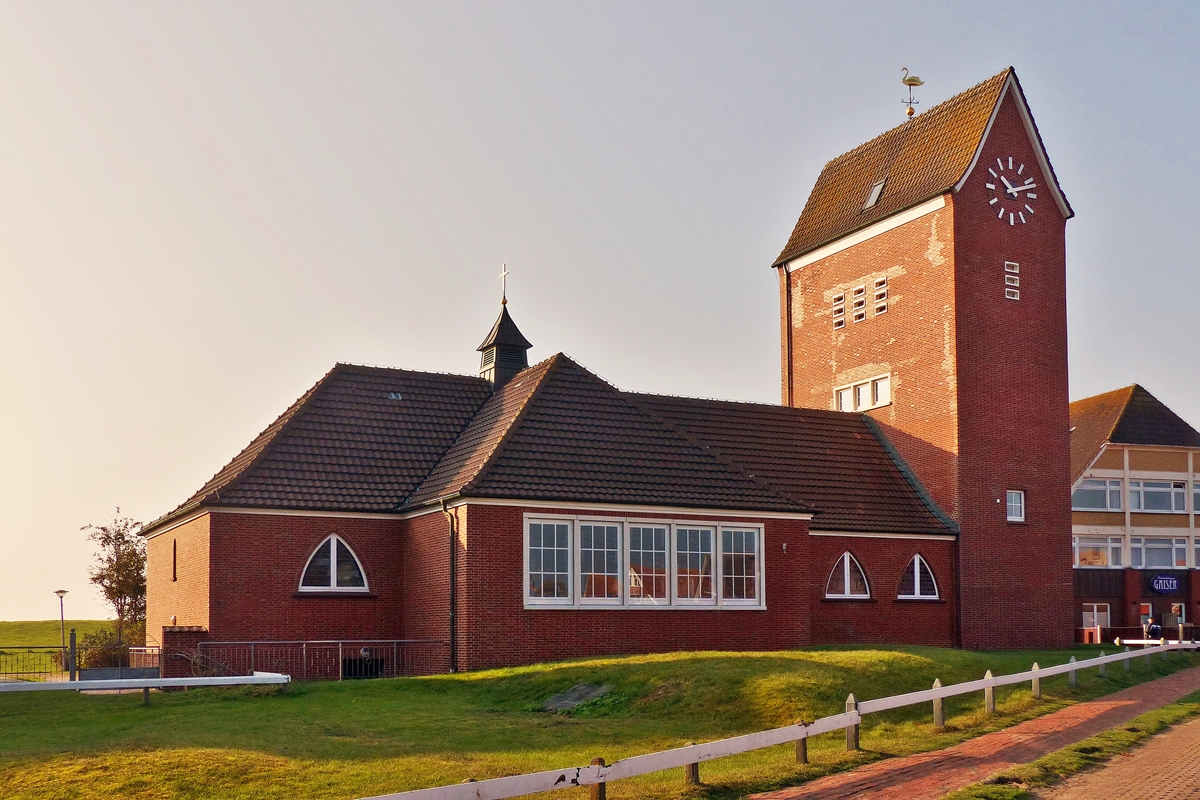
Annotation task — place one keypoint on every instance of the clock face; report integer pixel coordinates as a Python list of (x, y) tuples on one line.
[(1012, 191)]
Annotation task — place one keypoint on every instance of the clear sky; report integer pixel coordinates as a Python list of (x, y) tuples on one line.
[(204, 206)]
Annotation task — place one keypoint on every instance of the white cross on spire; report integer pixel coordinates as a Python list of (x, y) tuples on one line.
[(504, 284)]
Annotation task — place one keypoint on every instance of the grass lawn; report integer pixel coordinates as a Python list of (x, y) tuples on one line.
[(352, 739), (33, 633)]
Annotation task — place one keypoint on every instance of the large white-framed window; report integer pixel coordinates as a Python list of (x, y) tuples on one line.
[(864, 395), (1150, 552), (1015, 508), (695, 567), (1169, 497), (548, 562), (916, 582), (1094, 494), (739, 566), (649, 567), (588, 563), (333, 567), (847, 581), (1102, 552), (1095, 615)]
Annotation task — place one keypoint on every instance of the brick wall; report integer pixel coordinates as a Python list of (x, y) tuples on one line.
[(425, 557), (186, 596), (179, 644), (495, 629), (913, 341), (257, 562), (1016, 588), (883, 618)]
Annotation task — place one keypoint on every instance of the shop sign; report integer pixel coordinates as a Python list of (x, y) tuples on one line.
[(1165, 584)]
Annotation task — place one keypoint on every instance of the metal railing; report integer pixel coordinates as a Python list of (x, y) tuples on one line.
[(325, 660), (54, 662), (598, 774)]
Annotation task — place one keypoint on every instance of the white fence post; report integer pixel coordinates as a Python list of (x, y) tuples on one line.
[(939, 714), (851, 730), (1072, 676), (1103, 667), (1036, 683), (1127, 662), (989, 695)]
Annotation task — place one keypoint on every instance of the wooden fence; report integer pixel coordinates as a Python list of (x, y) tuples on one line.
[(598, 774)]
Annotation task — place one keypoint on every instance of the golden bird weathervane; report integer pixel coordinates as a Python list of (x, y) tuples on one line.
[(910, 81)]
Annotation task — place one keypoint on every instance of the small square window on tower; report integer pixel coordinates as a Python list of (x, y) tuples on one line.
[(881, 282), (1012, 294), (1012, 280), (1012, 266), (859, 316), (859, 291), (1015, 505)]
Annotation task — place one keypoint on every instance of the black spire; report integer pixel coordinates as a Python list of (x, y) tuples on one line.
[(503, 351)]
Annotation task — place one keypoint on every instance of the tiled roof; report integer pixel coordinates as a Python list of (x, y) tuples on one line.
[(831, 460), (371, 439), (1124, 416), (918, 159), (361, 439), (565, 434)]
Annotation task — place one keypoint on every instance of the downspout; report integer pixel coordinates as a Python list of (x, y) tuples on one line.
[(786, 277), (452, 519)]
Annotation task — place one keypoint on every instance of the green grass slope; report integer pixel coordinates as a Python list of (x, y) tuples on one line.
[(353, 739), (33, 633)]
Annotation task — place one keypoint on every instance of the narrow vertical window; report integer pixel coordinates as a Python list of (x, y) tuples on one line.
[(174, 559), (1016, 505), (739, 566), (549, 555), (694, 565), (599, 562), (648, 564)]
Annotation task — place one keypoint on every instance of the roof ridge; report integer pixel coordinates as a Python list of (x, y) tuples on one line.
[(381, 367), (1132, 388), (713, 451), (552, 363)]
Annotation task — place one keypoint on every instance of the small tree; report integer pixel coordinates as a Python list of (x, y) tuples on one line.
[(120, 572)]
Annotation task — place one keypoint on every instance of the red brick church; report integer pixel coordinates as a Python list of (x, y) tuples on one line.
[(912, 487)]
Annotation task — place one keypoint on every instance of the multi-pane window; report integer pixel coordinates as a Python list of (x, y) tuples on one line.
[(1168, 496), (917, 581), (648, 581), (581, 563), (1154, 553), (694, 565), (881, 295), (847, 580), (739, 565), (1095, 615), (333, 567), (1097, 495), (864, 395), (1016, 505), (549, 561), (1012, 280), (1098, 551), (599, 562)]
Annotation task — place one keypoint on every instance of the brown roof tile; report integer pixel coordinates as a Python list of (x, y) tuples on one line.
[(361, 439), (919, 159), (1124, 416), (831, 460)]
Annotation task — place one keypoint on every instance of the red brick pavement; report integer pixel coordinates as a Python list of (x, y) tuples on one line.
[(934, 774)]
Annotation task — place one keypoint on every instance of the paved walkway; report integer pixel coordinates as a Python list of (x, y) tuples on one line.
[(931, 775), (1166, 768)]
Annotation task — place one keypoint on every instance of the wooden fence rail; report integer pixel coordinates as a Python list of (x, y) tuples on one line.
[(598, 774)]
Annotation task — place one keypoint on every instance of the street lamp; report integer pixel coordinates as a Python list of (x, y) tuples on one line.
[(62, 626)]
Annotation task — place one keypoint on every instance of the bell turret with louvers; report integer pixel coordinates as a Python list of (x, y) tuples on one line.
[(504, 351)]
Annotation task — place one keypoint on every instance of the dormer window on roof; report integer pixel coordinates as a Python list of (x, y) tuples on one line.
[(873, 198)]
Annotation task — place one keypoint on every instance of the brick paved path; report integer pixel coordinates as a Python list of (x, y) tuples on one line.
[(1167, 768), (931, 775)]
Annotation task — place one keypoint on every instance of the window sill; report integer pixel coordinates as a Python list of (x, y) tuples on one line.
[(848, 600), (640, 607), (343, 595), (936, 600)]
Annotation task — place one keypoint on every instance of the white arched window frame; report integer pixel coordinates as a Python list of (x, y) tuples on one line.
[(333, 567), (917, 581), (847, 581)]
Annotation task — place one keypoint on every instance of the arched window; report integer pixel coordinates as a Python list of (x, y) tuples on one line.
[(917, 582), (847, 579), (333, 567)]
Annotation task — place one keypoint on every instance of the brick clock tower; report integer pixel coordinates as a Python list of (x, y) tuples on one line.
[(925, 286)]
